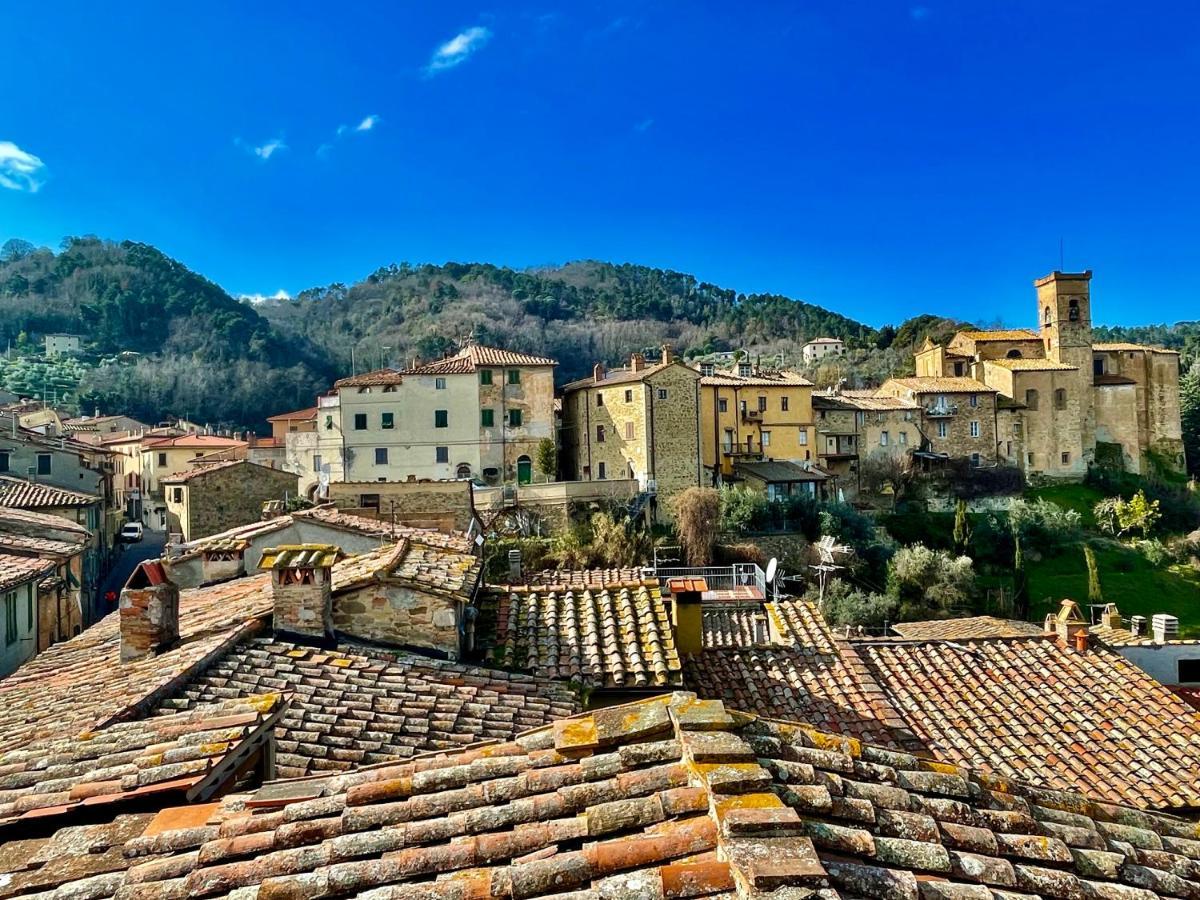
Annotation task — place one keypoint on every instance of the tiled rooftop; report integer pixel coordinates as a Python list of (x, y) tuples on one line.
[(966, 628), (28, 495), (669, 798), (933, 384), (205, 467), (1031, 365), (1120, 346), (760, 378), (16, 570), (614, 636), (377, 378), (1012, 334), (728, 625), (807, 674), (129, 760), (1028, 708), (474, 356), (354, 705)]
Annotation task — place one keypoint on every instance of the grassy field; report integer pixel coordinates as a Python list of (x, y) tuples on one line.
[(1126, 578), (1079, 497)]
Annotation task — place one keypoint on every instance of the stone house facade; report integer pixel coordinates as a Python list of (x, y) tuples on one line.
[(1065, 401), (748, 413), (222, 495), (640, 422), (955, 417)]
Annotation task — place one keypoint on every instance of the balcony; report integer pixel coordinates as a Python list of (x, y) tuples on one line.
[(941, 410), (751, 415)]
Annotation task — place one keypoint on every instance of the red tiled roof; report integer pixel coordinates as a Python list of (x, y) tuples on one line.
[(31, 495), (15, 570), (300, 415), (966, 628), (192, 442), (475, 356), (370, 379), (669, 798)]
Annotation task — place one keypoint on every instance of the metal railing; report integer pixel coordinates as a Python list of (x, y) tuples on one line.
[(941, 410), (718, 578)]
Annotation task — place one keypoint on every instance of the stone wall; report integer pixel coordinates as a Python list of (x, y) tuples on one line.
[(674, 422), (401, 616), (1050, 432), (149, 620), (442, 505), (231, 496), (303, 609), (1117, 422), (958, 441)]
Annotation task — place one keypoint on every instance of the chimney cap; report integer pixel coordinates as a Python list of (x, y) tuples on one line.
[(301, 556), (149, 573)]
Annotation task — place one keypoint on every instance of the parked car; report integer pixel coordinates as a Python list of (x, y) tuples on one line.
[(131, 532)]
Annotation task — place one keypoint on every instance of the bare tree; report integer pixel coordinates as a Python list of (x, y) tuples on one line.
[(697, 518)]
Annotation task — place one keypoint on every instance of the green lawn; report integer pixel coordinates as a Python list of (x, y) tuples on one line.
[(1079, 497), (1126, 579)]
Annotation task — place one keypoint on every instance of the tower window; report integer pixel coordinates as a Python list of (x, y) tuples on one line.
[(1048, 318), (1073, 310), (1014, 353), (1031, 398), (1060, 399)]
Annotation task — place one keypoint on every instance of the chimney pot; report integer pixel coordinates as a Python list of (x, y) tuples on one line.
[(637, 362), (598, 372), (149, 612), (1165, 627), (514, 567), (1137, 624), (1081, 641), (223, 563), (301, 589), (668, 353)]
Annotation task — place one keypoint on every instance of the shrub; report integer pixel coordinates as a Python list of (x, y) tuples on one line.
[(1043, 524), (1155, 553), (742, 509), (924, 581), (845, 604), (604, 541), (697, 519), (1116, 515)]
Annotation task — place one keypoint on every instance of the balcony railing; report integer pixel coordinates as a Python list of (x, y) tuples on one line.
[(718, 578), (941, 410)]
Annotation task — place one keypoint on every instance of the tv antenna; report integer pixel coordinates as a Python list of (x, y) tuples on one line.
[(829, 551)]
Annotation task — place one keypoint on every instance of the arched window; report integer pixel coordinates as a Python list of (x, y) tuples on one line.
[(463, 471), (1014, 353), (1031, 398), (524, 470), (1060, 399), (1048, 318), (1073, 309), (491, 475)]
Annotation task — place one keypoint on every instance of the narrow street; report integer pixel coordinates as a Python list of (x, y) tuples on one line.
[(149, 547)]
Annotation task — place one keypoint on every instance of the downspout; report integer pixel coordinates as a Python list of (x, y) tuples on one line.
[(653, 437), (587, 418), (699, 453)]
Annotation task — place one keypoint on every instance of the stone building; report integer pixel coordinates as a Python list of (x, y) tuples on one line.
[(748, 413), (1065, 402), (222, 495), (640, 422), (853, 426), (819, 348), (955, 417)]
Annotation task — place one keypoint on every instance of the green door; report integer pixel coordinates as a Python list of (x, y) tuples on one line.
[(524, 470)]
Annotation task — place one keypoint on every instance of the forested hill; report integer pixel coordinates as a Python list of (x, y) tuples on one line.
[(578, 313)]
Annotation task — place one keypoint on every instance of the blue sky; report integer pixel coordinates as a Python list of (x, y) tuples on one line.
[(881, 159)]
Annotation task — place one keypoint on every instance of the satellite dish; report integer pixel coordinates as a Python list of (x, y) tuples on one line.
[(772, 566)]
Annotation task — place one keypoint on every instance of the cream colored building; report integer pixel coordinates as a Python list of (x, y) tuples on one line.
[(1064, 401), (479, 414), (748, 413), (640, 422), (816, 350)]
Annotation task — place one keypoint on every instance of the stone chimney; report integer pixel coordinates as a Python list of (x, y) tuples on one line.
[(302, 589), (1069, 623), (598, 372), (689, 618), (149, 612), (668, 353), (223, 560), (1111, 617), (637, 362)]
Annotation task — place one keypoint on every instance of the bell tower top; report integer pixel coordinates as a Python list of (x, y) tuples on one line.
[(1065, 316)]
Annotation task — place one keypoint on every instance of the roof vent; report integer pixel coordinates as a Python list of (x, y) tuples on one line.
[(1165, 627), (1137, 624)]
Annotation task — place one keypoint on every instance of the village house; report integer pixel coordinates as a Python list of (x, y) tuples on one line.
[(639, 422), (64, 593), (750, 414), (161, 457), (853, 426), (126, 455), (955, 416), (1065, 401), (19, 578), (62, 344), (216, 496), (819, 348)]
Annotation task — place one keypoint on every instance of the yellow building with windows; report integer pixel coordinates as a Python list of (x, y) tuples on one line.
[(748, 413)]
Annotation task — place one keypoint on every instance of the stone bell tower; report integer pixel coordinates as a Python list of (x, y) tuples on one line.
[(1065, 320)]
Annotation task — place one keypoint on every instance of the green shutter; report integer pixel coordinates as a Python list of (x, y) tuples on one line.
[(487, 417)]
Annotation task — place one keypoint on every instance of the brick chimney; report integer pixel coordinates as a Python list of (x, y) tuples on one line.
[(1069, 623), (223, 560), (149, 612), (598, 372), (1111, 617), (637, 362), (668, 353), (689, 618), (302, 589)]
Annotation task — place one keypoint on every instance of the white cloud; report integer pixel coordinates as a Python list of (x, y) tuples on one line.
[(19, 170), (262, 298), (368, 123), (269, 149), (457, 49)]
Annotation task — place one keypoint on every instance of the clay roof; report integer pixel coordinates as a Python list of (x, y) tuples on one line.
[(761, 378), (129, 760), (1011, 334), (370, 379), (300, 415), (1028, 708), (612, 636), (191, 442), (15, 570), (354, 705), (965, 628), (825, 341), (206, 468), (775, 471), (1109, 378), (579, 578), (728, 625), (1031, 365), (32, 543), (409, 561), (1122, 346), (806, 674), (27, 521), (874, 402), (626, 376), (936, 384), (309, 556), (475, 356), (30, 495), (669, 798)]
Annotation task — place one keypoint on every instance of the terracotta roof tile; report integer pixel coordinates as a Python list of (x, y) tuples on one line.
[(617, 635), (1011, 334), (300, 415), (15, 570), (474, 356), (668, 798), (1031, 365), (351, 706), (933, 384), (30, 495), (377, 378), (965, 628), (1118, 346)]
